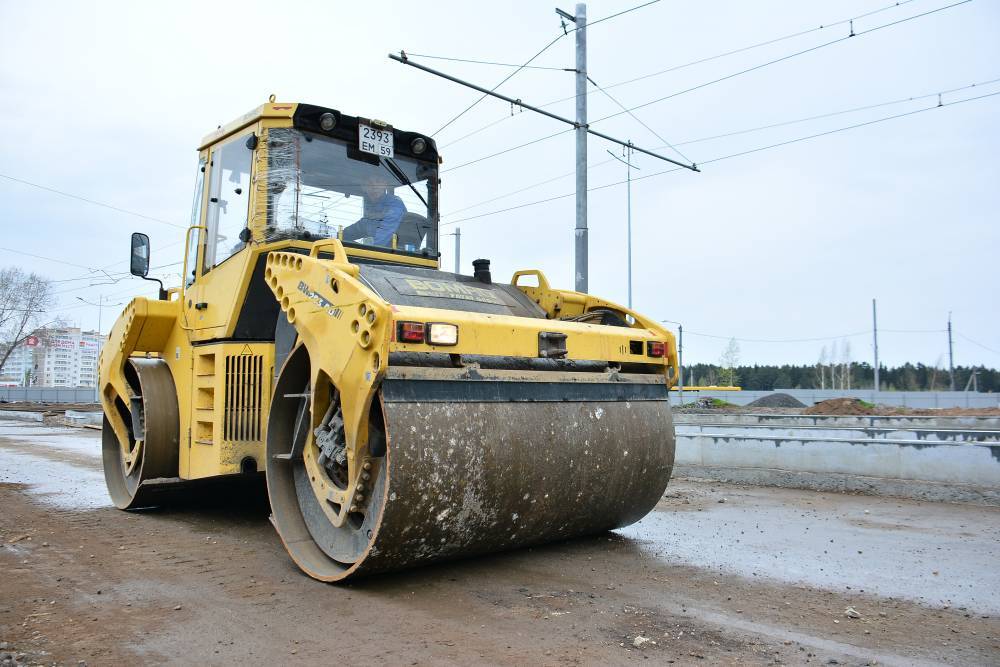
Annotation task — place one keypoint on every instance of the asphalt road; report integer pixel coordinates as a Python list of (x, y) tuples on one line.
[(715, 575)]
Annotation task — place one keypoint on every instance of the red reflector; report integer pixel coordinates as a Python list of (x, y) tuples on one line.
[(411, 332), (655, 348)]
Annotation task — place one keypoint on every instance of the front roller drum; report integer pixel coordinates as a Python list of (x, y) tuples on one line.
[(138, 472), (461, 477)]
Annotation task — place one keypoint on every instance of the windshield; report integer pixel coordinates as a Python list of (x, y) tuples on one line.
[(317, 188)]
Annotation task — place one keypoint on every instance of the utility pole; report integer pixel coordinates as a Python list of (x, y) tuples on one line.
[(458, 250), (582, 271), (580, 19), (951, 357), (628, 207), (875, 339), (100, 309), (680, 361)]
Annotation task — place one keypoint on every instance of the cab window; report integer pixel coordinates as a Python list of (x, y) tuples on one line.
[(228, 200), (192, 251)]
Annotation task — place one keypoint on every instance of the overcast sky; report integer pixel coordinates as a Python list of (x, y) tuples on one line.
[(108, 101)]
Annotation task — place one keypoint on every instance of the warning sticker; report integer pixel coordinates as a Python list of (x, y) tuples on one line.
[(444, 289)]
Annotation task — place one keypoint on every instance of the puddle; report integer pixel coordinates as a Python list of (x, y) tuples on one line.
[(75, 483), (935, 554)]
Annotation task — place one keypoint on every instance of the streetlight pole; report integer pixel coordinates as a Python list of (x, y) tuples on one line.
[(100, 309), (628, 207), (875, 341)]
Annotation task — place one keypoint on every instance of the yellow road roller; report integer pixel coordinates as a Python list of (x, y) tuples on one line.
[(401, 414)]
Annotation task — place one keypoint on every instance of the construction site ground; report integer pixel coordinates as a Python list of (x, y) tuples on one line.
[(715, 574)]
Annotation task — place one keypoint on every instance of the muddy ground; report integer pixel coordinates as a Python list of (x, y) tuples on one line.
[(715, 575)]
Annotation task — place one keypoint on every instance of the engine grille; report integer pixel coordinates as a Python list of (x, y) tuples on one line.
[(244, 392)]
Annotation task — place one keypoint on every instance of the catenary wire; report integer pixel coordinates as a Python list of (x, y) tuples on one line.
[(503, 81), (484, 62), (696, 62), (713, 81), (834, 113), (725, 157), (782, 59), (639, 120), (734, 133)]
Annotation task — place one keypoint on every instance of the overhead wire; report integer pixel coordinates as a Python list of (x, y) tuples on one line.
[(639, 120), (734, 133), (778, 340), (91, 201), (985, 347), (706, 84), (484, 62), (617, 14), (835, 113), (782, 59), (503, 81), (726, 157), (530, 60), (697, 62)]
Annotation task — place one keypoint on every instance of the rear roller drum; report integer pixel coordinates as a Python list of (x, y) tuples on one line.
[(150, 450)]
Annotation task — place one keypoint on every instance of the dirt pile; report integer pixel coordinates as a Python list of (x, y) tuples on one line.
[(776, 400), (841, 406)]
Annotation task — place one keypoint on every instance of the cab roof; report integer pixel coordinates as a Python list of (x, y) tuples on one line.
[(307, 117)]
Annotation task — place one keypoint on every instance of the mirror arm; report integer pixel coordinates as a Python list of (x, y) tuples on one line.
[(163, 292)]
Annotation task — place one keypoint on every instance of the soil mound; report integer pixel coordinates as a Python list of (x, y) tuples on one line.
[(841, 406), (776, 400)]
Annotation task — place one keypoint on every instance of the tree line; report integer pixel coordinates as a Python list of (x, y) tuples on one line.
[(846, 375)]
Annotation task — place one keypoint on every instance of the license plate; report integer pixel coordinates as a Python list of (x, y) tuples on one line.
[(375, 141)]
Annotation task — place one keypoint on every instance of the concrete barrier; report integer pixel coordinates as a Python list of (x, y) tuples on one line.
[(955, 465), (92, 418), (22, 415), (910, 399)]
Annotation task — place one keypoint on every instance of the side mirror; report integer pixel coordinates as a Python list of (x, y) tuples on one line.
[(140, 255)]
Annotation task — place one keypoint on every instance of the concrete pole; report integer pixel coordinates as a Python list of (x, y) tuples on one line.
[(458, 250), (680, 362), (875, 337), (951, 358), (628, 206), (582, 272)]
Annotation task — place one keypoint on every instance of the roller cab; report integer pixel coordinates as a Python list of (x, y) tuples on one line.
[(400, 414)]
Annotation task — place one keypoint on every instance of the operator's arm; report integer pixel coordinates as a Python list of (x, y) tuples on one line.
[(393, 210)]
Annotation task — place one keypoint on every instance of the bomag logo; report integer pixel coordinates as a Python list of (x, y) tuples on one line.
[(451, 290), (319, 300)]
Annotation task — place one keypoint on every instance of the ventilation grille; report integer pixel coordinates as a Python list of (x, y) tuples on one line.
[(244, 391)]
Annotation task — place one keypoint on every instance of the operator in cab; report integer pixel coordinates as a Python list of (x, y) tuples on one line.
[(382, 215)]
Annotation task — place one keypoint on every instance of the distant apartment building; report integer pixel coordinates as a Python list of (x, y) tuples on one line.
[(61, 358)]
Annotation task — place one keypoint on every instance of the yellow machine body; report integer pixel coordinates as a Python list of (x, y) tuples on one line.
[(294, 353)]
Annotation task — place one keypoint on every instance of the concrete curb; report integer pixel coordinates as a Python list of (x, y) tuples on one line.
[(844, 483)]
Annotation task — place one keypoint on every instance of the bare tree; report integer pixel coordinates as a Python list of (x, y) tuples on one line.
[(845, 365), (821, 368), (728, 361), (934, 371), (24, 300), (834, 356)]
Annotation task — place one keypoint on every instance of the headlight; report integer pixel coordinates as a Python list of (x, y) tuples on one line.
[(439, 333), (418, 145), (327, 121)]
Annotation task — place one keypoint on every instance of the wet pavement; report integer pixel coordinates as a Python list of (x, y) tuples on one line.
[(935, 553), (717, 573)]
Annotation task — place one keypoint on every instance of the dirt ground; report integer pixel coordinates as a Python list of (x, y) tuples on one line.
[(715, 575), (837, 406)]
